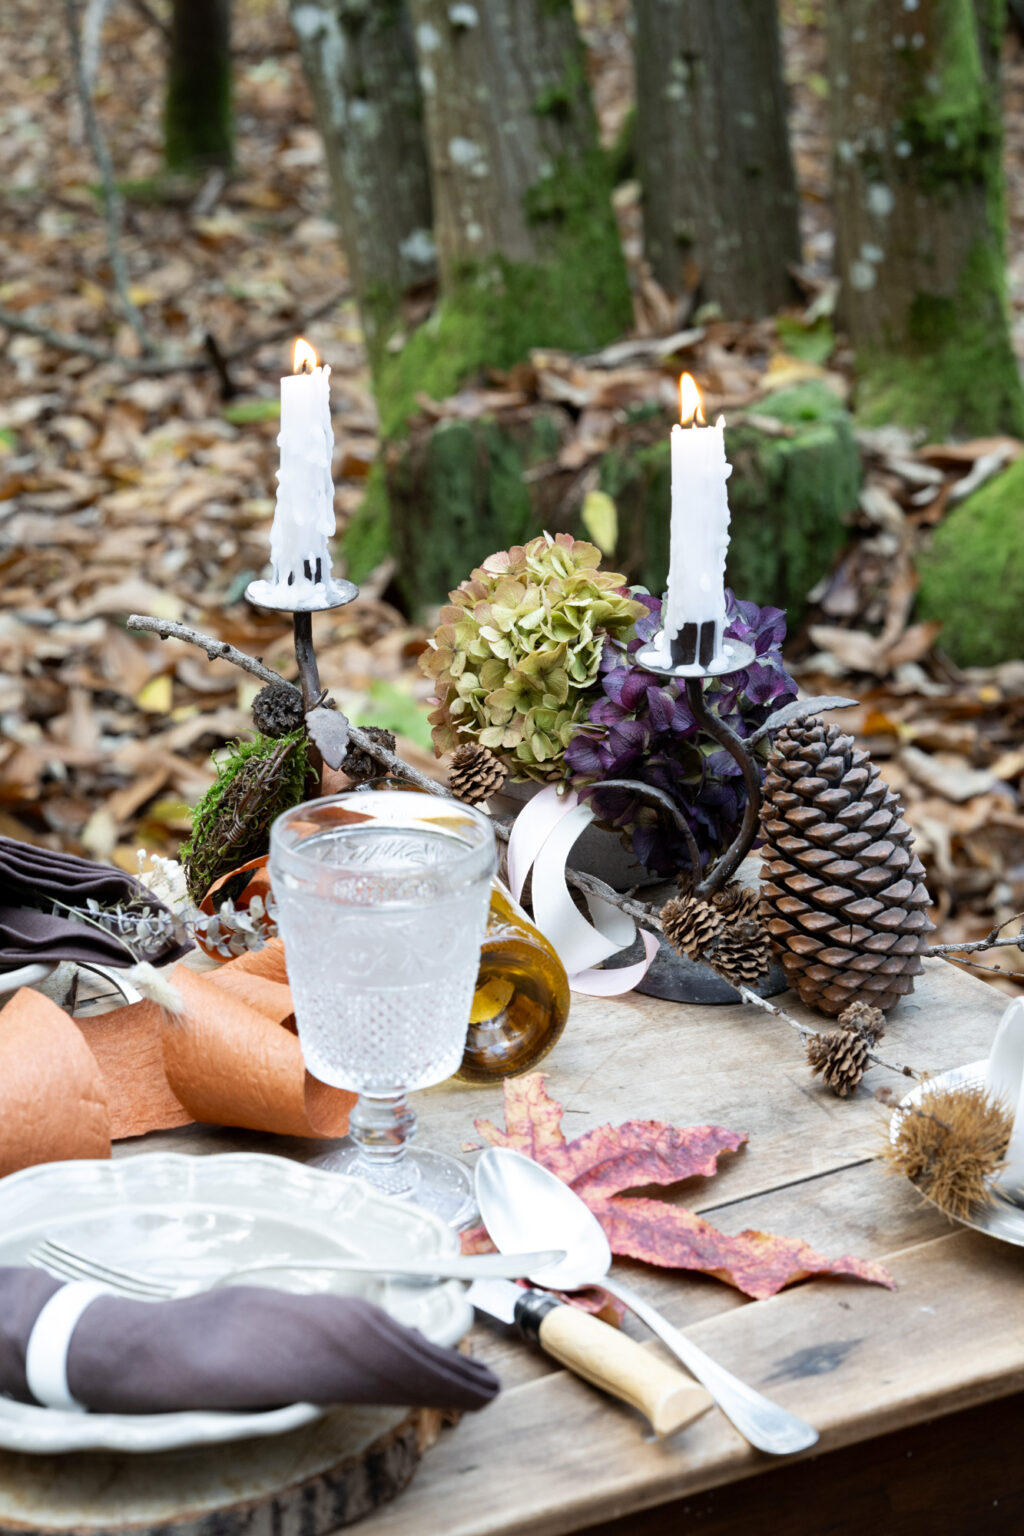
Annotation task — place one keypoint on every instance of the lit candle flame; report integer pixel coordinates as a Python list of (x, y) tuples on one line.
[(304, 359), (691, 405)]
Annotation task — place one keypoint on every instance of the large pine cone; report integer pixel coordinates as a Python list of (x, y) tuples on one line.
[(845, 902)]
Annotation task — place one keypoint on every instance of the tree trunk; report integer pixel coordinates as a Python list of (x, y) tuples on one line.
[(360, 64), (719, 198), (197, 108), (528, 248), (917, 136)]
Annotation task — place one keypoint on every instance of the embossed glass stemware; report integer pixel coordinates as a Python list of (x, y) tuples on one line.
[(382, 902)]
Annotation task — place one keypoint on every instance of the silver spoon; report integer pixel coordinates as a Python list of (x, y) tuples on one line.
[(525, 1206)]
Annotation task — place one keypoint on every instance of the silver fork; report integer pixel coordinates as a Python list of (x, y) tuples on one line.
[(70, 1264)]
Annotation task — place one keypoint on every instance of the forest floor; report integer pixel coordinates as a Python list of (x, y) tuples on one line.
[(125, 488)]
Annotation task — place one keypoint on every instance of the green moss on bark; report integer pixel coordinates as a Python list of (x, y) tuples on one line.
[(972, 578), (956, 373), (574, 296)]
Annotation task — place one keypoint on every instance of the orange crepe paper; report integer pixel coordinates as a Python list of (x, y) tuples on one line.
[(53, 1103), (70, 1086), (129, 1052), (230, 1065)]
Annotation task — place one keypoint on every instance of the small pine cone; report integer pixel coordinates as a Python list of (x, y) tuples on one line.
[(359, 765), (841, 1057), (738, 901), (863, 1020), (277, 710), (691, 926), (475, 773), (741, 954)]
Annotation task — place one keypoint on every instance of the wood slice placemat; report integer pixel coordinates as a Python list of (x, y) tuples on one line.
[(314, 1480)]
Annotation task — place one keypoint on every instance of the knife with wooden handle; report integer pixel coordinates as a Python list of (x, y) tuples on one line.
[(599, 1353)]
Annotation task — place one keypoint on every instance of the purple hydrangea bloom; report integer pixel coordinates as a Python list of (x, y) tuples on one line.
[(641, 728)]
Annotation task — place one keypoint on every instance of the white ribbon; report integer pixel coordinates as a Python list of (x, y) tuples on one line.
[(46, 1355), (542, 838)]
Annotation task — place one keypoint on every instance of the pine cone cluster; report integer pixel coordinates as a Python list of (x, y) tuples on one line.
[(845, 901), (277, 710), (359, 765), (722, 931), (475, 773), (841, 1057), (690, 925)]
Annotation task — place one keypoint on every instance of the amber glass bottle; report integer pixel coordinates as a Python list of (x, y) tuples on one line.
[(521, 1000)]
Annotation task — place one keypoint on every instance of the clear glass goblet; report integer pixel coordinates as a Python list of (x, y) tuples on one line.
[(382, 900)]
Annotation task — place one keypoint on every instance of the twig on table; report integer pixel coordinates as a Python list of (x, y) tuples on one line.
[(112, 205), (806, 1033), (990, 941)]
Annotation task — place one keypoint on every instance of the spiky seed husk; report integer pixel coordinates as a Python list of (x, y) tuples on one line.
[(864, 1020), (475, 773), (690, 925), (950, 1144), (844, 896), (840, 1057), (741, 952), (277, 710), (359, 765)]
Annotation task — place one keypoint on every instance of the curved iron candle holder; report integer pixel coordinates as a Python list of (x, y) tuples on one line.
[(733, 658)]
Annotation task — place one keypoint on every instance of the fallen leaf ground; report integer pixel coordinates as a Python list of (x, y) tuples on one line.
[(122, 489)]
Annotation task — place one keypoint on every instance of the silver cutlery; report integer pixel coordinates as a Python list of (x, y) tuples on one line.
[(522, 1202), (70, 1264)]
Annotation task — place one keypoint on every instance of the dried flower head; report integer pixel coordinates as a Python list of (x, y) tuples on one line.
[(950, 1144), (516, 656)]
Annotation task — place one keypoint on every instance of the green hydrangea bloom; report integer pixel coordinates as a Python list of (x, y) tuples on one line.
[(516, 655)]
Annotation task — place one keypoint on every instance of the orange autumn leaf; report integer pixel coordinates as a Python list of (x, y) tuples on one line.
[(603, 1162)]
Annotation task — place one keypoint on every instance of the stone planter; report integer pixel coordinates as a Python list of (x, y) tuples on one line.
[(597, 852)]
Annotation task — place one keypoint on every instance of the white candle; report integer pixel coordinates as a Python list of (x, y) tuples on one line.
[(694, 614), (304, 514)]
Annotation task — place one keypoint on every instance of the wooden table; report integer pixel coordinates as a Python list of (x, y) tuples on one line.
[(552, 1456)]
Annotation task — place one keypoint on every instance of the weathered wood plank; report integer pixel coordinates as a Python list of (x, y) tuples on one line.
[(857, 1361)]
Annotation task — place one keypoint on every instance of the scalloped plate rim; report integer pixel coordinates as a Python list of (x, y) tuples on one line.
[(33, 1430)]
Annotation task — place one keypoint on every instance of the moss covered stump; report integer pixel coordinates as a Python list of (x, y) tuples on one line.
[(794, 478), (456, 490), (972, 578)]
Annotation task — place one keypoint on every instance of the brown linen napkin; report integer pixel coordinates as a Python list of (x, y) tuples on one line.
[(31, 878), (242, 1347)]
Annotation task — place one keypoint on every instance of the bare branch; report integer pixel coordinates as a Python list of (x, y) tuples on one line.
[(806, 1033), (111, 197), (173, 362)]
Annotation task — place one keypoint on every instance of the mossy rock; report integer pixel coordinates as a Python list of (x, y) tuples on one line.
[(788, 495), (972, 578)]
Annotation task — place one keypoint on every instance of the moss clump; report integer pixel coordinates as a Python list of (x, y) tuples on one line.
[(231, 824), (956, 373), (972, 578)]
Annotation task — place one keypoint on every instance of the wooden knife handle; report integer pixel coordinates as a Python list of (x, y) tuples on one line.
[(617, 1364)]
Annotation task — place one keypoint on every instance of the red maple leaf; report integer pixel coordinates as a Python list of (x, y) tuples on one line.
[(602, 1163)]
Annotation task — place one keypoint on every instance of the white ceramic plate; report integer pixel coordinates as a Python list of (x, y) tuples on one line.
[(1002, 1217), (194, 1217)]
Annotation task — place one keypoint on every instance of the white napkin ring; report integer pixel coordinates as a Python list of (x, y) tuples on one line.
[(46, 1357)]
